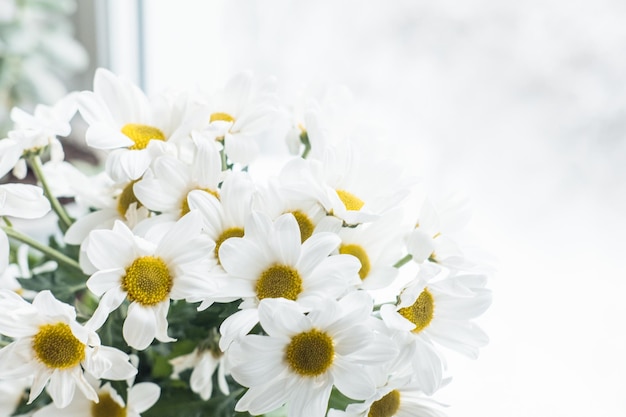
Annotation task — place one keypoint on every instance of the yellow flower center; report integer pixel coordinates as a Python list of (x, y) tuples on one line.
[(349, 200), (310, 353), (147, 281), (387, 406), (305, 224), (107, 407), (421, 312), (56, 346), (126, 198), (141, 135), (226, 234), (359, 253), (222, 117), (279, 281), (185, 205)]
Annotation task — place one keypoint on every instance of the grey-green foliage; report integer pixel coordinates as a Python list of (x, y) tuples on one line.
[(38, 53)]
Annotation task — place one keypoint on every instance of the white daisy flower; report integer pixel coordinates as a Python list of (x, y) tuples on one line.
[(441, 312), (35, 132), (54, 348), (243, 111), (148, 274), (348, 186), (141, 397), (271, 262), (122, 119), (204, 362), (166, 184), (225, 218), (304, 355)]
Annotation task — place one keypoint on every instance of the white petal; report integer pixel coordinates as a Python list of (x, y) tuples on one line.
[(264, 365), (140, 326), (80, 229), (4, 252), (266, 398), (237, 326), (352, 380), (111, 300), (62, 387), (315, 249), (309, 400), (105, 280), (114, 364), (110, 250), (23, 201), (201, 380), (50, 306), (285, 239), (280, 317), (242, 258), (160, 312), (39, 382), (142, 396)]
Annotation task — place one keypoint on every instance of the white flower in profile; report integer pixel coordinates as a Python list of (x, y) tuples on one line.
[(23, 201), (377, 245), (100, 201), (204, 362), (35, 132), (148, 273), (168, 181), (243, 111), (141, 397), (304, 355), (346, 183), (22, 269), (52, 347), (271, 262), (122, 119), (442, 311), (432, 239), (399, 397)]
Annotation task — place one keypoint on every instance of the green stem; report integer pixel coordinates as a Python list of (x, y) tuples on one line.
[(66, 221), (304, 138), (403, 261), (52, 253), (223, 157)]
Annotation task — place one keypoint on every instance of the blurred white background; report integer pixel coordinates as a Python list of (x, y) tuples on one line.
[(521, 104)]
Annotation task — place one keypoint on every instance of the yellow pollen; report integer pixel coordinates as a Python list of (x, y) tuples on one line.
[(56, 346), (107, 407), (147, 281), (126, 198), (279, 281), (310, 353), (387, 406), (349, 200), (359, 253), (305, 224), (222, 117), (141, 135), (421, 312), (226, 234), (185, 206)]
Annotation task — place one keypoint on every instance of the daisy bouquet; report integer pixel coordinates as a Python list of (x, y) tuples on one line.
[(187, 278)]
